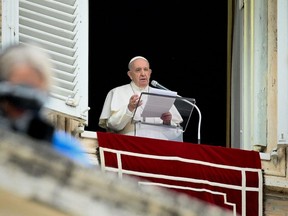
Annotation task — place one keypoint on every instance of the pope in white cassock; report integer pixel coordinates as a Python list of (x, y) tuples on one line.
[(122, 108)]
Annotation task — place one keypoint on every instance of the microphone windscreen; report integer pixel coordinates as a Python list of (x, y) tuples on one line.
[(154, 83)]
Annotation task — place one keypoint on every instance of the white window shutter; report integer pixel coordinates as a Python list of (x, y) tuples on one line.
[(282, 76), (9, 22), (61, 28)]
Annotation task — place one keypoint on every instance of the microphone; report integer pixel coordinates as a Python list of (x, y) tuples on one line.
[(157, 85)]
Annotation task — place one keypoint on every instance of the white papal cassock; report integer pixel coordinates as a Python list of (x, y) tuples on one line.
[(116, 117)]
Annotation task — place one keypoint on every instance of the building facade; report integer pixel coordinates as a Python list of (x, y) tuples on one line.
[(257, 70)]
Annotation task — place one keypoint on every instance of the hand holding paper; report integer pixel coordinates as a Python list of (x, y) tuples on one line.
[(166, 118)]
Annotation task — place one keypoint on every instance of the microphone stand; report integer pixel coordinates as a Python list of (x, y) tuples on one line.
[(200, 117)]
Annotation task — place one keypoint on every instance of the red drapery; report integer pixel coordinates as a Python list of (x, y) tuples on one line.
[(229, 178)]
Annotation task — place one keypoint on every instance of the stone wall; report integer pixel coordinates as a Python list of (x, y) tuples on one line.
[(33, 172)]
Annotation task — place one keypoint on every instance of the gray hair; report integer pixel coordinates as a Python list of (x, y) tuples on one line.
[(26, 54)]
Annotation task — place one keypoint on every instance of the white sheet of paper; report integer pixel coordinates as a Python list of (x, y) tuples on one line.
[(157, 105)]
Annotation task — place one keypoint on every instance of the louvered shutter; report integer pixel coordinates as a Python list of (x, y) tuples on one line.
[(61, 28)]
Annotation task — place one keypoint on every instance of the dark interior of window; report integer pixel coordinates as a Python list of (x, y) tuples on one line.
[(186, 45)]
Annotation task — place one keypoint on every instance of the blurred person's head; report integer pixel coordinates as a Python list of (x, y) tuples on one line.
[(31, 57), (25, 74), (25, 81)]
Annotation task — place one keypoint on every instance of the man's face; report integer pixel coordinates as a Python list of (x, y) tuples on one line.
[(25, 75), (140, 73)]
